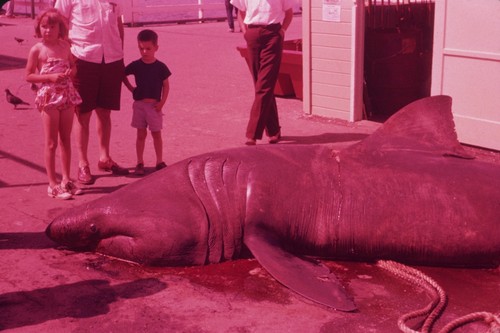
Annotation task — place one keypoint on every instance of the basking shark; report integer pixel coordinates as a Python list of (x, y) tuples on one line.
[(409, 193)]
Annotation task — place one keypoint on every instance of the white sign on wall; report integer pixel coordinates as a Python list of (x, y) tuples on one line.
[(331, 10)]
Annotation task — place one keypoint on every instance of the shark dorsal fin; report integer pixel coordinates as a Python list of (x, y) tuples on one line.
[(425, 125)]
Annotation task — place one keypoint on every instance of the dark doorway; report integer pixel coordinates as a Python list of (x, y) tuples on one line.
[(398, 54)]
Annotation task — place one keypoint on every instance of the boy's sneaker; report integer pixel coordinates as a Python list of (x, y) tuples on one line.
[(139, 169), (72, 188), (160, 166), (58, 192)]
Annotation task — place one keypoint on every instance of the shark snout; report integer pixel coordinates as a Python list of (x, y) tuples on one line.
[(71, 234), (48, 231)]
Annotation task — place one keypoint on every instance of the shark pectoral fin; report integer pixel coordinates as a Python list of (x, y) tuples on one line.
[(307, 278)]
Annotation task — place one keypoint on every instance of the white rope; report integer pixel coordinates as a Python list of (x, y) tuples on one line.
[(434, 309), (493, 320)]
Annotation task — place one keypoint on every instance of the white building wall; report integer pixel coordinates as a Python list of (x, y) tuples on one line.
[(466, 66)]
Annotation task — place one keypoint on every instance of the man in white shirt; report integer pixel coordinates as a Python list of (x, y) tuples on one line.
[(96, 31), (264, 23)]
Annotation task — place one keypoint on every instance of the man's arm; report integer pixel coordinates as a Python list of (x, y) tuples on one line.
[(288, 19), (241, 18), (121, 30), (64, 7)]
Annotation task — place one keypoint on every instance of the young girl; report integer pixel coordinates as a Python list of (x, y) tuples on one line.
[(50, 63)]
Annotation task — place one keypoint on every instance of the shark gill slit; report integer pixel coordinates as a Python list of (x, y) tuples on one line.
[(190, 172)]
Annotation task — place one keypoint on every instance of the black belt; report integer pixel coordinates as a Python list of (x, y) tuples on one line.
[(265, 26)]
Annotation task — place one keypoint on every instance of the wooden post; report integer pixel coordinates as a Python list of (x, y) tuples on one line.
[(200, 10)]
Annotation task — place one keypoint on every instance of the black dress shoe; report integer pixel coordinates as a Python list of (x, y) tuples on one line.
[(251, 142), (275, 138), (112, 166)]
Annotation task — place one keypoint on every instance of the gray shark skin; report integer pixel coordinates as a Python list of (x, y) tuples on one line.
[(409, 192)]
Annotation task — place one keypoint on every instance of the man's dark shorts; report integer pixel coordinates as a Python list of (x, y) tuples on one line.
[(99, 85)]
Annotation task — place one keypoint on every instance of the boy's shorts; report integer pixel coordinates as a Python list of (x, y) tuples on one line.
[(145, 115), (99, 85)]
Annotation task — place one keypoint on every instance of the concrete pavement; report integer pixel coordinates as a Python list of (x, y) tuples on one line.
[(43, 288)]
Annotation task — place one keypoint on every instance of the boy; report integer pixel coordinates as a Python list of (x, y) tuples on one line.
[(150, 95)]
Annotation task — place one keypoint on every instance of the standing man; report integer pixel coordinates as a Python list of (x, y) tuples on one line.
[(264, 23), (229, 13), (96, 32)]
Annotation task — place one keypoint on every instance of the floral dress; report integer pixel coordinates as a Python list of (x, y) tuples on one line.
[(61, 95)]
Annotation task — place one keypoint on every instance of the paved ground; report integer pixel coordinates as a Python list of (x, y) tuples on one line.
[(47, 289)]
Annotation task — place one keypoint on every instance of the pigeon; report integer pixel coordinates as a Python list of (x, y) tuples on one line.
[(19, 40), (14, 100)]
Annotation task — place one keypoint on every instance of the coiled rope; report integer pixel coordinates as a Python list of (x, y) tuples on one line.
[(434, 309)]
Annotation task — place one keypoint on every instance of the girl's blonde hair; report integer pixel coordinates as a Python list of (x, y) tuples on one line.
[(53, 17)]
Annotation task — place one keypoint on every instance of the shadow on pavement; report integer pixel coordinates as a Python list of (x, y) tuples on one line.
[(83, 299), (41, 169), (7, 62), (24, 240), (20, 160), (101, 189)]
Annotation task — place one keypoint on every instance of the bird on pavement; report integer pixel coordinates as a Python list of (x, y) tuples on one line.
[(19, 40), (14, 100)]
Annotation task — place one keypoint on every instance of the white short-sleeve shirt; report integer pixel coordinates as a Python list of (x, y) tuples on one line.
[(263, 11), (93, 29)]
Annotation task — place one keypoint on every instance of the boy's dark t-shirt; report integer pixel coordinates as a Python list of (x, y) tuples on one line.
[(148, 78)]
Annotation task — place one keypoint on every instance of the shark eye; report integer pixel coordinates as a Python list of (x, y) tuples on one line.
[(93, 228)]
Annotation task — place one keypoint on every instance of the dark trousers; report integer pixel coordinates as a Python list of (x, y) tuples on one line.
[(229, 13), (265, 46)]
